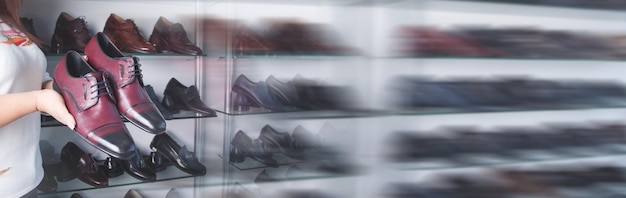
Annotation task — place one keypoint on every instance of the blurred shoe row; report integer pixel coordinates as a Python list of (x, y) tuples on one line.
[(587, 182), (418, 92), (72, 33), (277, 37), (239, 191), (76, 163), (511, 43), (297, 94), (509, 143), (300, 145)]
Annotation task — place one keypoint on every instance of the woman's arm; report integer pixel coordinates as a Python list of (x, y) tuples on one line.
[(16, 105)]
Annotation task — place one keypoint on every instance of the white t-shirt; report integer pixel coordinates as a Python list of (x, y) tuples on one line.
[(22, 68)]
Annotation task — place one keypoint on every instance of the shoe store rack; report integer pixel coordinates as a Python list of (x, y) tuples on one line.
[(372, 98)]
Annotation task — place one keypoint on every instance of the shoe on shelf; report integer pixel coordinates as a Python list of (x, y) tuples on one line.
[(182, 158), (242, 146), (150, 91), (111, 166), (285, 92), (89, 99), (126, 36), (84, 165), (279, 142), (177, 97), (156, 162), (138, 168), (132, 193), (69, 34), (167, 36), (126, 81), (250, 94)]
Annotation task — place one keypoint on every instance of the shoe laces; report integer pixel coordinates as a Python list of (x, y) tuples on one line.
[(101, 85), (135, 68)]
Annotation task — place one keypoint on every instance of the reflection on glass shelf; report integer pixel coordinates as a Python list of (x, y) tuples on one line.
[(293, 55), (438, 111), (249, 164), (138, 54), (76, 185), (416, 112), (520, 157), (309, 114), (47, 121), (504, 58)]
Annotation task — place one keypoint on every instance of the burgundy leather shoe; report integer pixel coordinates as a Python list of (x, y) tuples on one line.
[(133, 102), (126, 36), (88, 98), (70, 34), (172, 37)]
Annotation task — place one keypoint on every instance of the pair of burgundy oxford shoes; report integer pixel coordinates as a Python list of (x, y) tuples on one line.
[(99, 90)]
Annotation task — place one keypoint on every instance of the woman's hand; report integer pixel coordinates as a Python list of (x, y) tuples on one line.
[(51, 102)]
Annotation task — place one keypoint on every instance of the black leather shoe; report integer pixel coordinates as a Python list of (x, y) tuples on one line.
[(242, 146), (156, 162), (166, 114), (178, 97), (279, 142), (111, 167), (179, 156), (48, 184), (84, 165), (137, 168), (285, 92), (250, 94)]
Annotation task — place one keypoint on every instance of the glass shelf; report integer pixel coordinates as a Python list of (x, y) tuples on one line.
[(48, 121), (502, 58), (249, 164), (417, 111), (294, 55), (443, 111), (320, 114), (171, 173), (139, 54), (521, 157), (556, 5)]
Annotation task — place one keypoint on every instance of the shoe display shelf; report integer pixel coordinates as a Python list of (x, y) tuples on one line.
[(345, 74), (188, 129)]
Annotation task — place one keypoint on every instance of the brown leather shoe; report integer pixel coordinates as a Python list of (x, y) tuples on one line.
[(70, 34), (126, 36), (172, 37)]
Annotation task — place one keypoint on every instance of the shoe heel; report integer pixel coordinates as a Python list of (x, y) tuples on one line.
[(55, 45), (158, 42), (169, 103), (241, 103)]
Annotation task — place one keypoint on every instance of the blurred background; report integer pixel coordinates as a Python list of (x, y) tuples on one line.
[(371, 98)]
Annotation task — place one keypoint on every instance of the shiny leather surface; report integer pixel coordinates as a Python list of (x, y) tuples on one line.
[(86, 97), (111, 166), (138, 168), (180, 97), (182, 158), (132, 100), (279, 142), (152, 95), (84, 165), (69, 34), (172, 37), (286, 92), (242, 146), (126, 36), (250, 94)]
